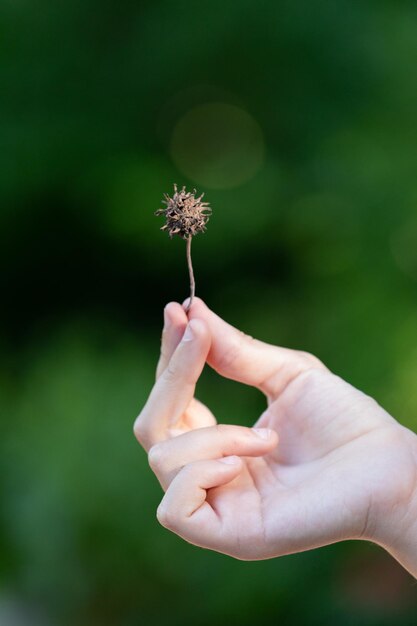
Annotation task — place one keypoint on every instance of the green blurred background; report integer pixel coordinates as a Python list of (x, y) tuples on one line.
[(298, 119)]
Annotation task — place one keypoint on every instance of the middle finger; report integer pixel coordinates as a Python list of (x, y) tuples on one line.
[(213, 442)]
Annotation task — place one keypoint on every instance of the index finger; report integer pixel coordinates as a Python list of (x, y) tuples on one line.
[(240, 357)]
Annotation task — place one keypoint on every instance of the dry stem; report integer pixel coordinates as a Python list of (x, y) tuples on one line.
[(190, 269)]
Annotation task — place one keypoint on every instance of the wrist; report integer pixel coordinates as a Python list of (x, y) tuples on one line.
[(394, 522)]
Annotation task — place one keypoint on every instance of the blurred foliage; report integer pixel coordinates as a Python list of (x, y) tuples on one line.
[(312, 244)]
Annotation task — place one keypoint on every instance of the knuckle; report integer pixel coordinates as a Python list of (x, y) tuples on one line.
[(306, 356), (246, 431), (221, 429), (310, 360), (233, 434), (230, 436), (156, 456), (140, 430), (165, 516), (311, 379)]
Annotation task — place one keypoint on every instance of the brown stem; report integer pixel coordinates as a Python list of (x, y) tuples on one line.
[(190, 269)]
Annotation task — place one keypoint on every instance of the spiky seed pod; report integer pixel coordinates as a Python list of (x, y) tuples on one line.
[(185, 214)]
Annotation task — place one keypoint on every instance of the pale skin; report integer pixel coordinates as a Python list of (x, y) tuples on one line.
[(323, 463)]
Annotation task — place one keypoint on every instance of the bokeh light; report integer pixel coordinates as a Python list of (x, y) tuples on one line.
[(218, 145)]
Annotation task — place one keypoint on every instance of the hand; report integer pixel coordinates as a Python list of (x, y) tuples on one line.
[(325, 462)]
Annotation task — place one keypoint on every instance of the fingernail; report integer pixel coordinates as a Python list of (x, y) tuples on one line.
[(230, 460), (186, 303), (189, 334), (263, 433)]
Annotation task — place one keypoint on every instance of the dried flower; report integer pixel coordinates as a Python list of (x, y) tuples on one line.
[(186, 216)]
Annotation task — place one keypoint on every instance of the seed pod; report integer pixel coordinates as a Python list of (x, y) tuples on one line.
[(186, 216)]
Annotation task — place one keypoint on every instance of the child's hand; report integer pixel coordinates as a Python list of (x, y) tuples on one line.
[(327, 464)]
